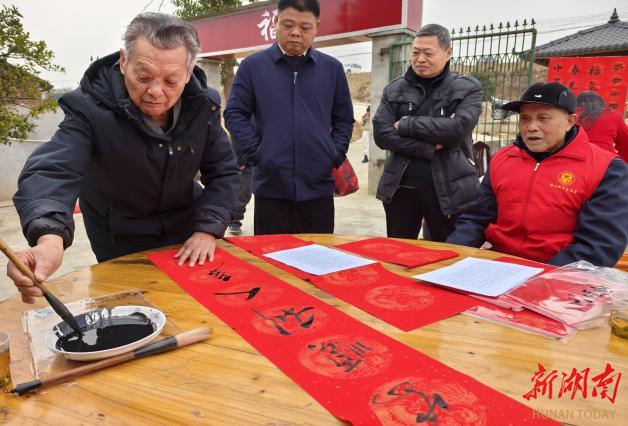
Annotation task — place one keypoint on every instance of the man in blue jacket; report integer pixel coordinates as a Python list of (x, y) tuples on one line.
[(303, 122)]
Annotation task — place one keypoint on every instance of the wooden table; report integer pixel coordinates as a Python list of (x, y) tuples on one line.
[(225, 381)]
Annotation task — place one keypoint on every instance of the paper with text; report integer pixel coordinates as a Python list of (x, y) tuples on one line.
[(318, 260), (486, 277)]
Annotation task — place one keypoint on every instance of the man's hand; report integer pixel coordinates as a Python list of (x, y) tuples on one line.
[(396, 125), (43, 259), (198, 247), (438, 146)]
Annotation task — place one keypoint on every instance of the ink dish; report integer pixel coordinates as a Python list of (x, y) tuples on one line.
[(106, 332)]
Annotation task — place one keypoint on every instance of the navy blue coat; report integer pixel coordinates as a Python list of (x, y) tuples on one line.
[(302, 123)]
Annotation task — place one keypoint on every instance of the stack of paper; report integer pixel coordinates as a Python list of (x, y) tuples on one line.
[(479, 276), (318, 260)]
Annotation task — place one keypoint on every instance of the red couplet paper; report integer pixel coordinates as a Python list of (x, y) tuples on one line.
[(525, 320), (606, 75), (357, 373), (401, 302), (503, 301), (259, 245), (397, 252)]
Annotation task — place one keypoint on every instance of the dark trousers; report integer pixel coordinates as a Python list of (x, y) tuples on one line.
[(277, 216), (244, 196), (407, 209)]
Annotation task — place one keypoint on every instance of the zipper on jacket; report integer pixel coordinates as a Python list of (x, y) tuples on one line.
[(170, 150), (529, 193), (400, 177), (409, 106)]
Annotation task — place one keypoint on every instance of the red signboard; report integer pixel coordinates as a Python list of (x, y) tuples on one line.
[(605, 75), (341, 21)]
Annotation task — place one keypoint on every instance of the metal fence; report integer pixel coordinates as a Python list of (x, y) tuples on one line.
[(501, 57)]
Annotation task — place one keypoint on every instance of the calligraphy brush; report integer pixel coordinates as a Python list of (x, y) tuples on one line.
[(164, 345), (55, 303)]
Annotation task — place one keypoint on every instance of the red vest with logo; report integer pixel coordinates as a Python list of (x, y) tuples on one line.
[(539, 203)]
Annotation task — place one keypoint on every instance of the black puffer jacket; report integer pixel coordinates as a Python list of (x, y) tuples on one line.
[(453, 171), (139, 182)]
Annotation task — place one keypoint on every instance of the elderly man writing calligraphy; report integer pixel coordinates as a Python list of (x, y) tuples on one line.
[(140, 126)]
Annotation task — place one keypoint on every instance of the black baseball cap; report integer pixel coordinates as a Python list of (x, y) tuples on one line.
[(554, 94)]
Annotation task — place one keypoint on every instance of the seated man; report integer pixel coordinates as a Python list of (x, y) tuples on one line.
[(552, 197)]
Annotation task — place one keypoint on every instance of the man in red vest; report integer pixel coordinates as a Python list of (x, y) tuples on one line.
[(553, 196)]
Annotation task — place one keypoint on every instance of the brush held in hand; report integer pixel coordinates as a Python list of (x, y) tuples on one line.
[(58, 307)]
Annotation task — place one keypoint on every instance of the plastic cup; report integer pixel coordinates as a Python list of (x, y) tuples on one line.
[(5, 361), (619, 314)]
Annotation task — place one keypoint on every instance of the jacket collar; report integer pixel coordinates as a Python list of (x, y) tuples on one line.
[(276, 54), (426, 83)]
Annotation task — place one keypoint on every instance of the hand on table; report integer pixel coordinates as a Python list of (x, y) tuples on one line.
[(199, 247), (43, 259)]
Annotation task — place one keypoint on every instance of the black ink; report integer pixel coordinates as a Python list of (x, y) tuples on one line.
[(405, 388), (251, 293), (278, 320), (341, 359), (104, 333), (218, 274)]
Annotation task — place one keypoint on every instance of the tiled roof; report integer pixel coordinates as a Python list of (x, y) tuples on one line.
[(611, 37)]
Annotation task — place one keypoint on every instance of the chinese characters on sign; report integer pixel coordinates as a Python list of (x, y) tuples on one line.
[(267, 25), (605, 75), (549, 383)]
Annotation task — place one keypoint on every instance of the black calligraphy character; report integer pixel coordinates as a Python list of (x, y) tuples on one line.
[(574, 70), (430, 416), (591, 85), (613, 93), (558, 67), (595, 70), (278, 320), (359, 349), (345, 361), (340, 359), (618, 67), (405, 388), (616, 80), (251, 293), (218, 274), (572, 84), (613, 105)]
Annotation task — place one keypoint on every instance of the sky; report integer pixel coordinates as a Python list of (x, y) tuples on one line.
[(76, 30)]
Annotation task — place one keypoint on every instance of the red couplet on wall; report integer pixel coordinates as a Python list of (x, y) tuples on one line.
[(606, 75), (342, 21)]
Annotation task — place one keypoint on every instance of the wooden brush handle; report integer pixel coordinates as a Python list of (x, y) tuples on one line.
[(169, 343), (4, 247)]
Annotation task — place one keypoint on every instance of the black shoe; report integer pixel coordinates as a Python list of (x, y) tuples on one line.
[(365, 159), (235, 229)]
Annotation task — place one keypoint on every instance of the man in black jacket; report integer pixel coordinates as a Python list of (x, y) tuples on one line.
[(140, 126), (425, 119)]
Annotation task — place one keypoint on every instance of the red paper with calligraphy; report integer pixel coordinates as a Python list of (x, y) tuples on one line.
[(397, 252), (400, 301), (605, 75), (357, 373)]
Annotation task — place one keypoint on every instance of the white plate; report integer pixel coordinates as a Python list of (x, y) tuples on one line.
[(156, 316)]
